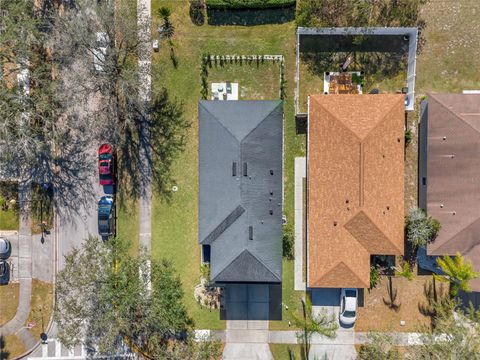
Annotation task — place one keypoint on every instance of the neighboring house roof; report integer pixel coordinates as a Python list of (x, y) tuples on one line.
[(239, 136), (453, 175), (355, 186)]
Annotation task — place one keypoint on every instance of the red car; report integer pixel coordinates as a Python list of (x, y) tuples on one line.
[(106, 165)]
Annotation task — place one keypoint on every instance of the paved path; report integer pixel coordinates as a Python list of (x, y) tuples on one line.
[(300, 174), (144, 20)]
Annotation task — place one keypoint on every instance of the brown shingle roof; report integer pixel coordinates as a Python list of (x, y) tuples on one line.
[(355, 185), (453, 183)]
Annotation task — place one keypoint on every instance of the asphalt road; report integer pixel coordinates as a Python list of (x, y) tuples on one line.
[(74, 226)]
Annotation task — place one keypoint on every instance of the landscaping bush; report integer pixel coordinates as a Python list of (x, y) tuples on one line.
[(288, 243), (197, 12), (374, 277), (421, 229), (248, 4)]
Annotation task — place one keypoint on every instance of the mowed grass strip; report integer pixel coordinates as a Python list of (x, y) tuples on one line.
[(174, 227), (9, 296)]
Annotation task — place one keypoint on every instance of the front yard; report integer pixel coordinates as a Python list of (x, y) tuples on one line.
[(174, 222), (375, 315), (9, 301)]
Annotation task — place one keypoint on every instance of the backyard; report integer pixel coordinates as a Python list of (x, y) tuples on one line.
[(383, 60), (174, 229)]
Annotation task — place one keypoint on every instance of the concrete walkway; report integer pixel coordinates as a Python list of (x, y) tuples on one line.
[(300, 174), (144, 21), (16, 325)]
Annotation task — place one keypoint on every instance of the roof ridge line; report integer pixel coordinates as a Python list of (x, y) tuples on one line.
[(218, 120), (256, 126), (381, 121), (336, 265), (256, 258), (376, 225), (339, 121), (452, 112), (457, 233)]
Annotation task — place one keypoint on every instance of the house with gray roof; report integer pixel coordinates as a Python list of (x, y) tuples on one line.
[(240, 190)]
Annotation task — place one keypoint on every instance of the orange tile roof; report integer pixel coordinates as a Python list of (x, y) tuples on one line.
[(355, 186)]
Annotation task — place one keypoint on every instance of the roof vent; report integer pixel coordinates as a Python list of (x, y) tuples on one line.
[(454, 213), (444, 138), (271, 212), (388, 207), (398, 139), (271, 193), (347, 201), (234, 169), (441, 206), (250, 232), (334, 223), (452, 156), (271, 172), (245, 172)]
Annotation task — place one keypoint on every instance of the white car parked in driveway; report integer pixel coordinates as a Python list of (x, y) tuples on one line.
[(348, 306)]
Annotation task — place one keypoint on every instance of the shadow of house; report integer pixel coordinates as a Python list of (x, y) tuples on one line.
[(250, 17)]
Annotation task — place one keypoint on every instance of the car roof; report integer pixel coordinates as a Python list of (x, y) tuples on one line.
[(105, 200), (350, 304), (105, 148), (3, 245)]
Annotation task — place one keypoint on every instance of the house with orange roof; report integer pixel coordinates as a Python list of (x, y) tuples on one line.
[(355, 186)]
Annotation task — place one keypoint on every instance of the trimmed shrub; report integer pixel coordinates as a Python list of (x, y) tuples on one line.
[(248, 4), (421, 228), (288, 243)]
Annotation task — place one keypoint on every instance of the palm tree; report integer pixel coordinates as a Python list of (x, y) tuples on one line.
[(322, 323), (457, 272)]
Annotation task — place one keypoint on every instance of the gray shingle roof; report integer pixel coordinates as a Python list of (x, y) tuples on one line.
[(238, 137)]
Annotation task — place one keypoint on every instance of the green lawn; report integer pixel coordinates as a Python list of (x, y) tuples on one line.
[(281, 351), (450, 60), (8, 220), (128, 222), (174, 228), (8, 206), (256, 81)]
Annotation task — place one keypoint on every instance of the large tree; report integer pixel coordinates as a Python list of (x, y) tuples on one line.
[(34, 145), (455, 336), (99, 47), (108, 300)]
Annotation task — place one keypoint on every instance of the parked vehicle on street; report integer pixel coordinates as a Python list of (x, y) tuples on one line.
[(4, 272), (348, 306), (106, 216), (5, 248), (106, 165)]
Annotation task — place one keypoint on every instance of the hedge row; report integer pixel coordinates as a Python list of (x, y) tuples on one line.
[(248, 4)]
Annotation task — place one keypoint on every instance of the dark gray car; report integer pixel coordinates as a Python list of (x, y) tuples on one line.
[(5, 248), (4, 272)]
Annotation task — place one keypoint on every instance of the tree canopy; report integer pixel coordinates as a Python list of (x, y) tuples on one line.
[(457, 272), (108, 299)]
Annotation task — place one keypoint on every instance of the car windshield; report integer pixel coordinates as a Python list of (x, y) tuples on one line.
[(105, 156), (104, 163), (350, 293), (105, 177), (349, 314)]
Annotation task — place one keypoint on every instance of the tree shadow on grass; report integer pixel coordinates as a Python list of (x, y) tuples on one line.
[(250, 17)]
